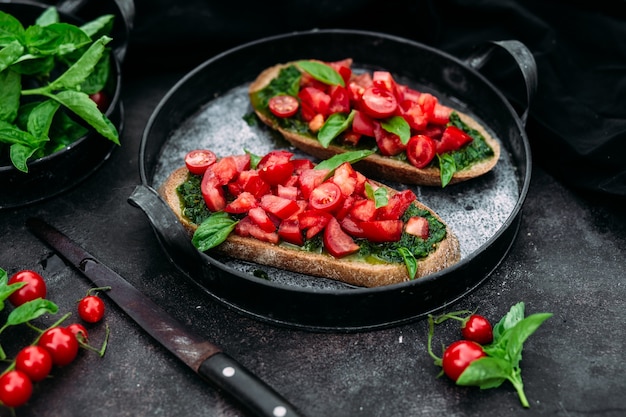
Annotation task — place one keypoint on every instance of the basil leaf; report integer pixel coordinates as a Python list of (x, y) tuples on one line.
[(335, 161), (447, 168), (81, 69), (213, 231), (510, 319), (13, 135), (334, 125), (55, 39), (10, 92), (254, 159), (40, 118), (5, 289), (409, 261), (11, 29), (101, 25), (30, 311), (322, 72), (10, 54), (520, 332), (379, 195), (86, 108), (96, 81), (486, 372), (19, 155), (49, 16), (398, 126)]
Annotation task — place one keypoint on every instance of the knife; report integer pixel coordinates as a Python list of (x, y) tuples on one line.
[(203, 357)]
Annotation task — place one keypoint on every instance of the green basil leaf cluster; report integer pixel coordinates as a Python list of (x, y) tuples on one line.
[(504, 354), (44, 68)]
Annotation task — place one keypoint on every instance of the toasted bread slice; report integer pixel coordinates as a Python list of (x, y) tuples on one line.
[(377, 165), (352, 271)]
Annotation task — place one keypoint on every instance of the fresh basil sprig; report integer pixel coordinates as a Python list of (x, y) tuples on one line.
[(333, 126), (398, 126), (336, 161), (321, 72), (213, 231), (379, 195)]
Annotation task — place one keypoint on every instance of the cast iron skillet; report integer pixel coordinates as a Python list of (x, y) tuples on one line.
[(55, 173), (207, 108)]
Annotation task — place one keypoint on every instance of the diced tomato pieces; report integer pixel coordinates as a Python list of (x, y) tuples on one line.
[(326, 197), (287, 191), (452, 139), (428, 102), (198, 160), (225, 170), (417, 226), (351, 227), (362, 123), (244, 202), (363, 210), (307, 80), (261, 219), (389, 144), (433, 131), (309, 179), (300, 165), (378, 102), (344, 68), (420, 150), (404, 92), (397, 205), (382, 230), (337, 242), (413, 114), (339, 100), (441, 114), (278, 206), (345, 177), (350, 137), (252, 182), (345, 208), (247, 228), (313, 221), (276, 167), (212, 191), (314, 99), (384, 80), (359, 188), (289, 231)]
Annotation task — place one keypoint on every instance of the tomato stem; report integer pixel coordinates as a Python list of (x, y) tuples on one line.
[(431, 332), (93, 291)]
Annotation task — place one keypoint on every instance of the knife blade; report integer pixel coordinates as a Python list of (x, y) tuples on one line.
[(203, 357)]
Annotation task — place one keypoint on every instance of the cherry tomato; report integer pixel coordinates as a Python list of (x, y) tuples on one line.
[(35, 287), (91, 308), (459, 355), (378, 103), (198, 160), (79, 331), (420, 150), (61, 343), (35, 362), (101, 100), (326, 197), (478, 329), (15, 388), (283, 105), (452, 139)]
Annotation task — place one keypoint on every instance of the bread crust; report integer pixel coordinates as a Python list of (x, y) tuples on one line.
[(353, 272), (377, 165)]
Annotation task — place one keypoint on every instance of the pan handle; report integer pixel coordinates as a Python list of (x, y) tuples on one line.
[(524, 59), (170, 232)]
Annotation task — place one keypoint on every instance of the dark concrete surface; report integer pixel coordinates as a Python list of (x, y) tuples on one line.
[(568, 259)]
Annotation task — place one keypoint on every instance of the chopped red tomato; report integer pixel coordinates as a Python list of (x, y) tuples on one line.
[(275, 167), (198, 160), (363, 210), (309, 179), (384, 80), (287, 191), (212, 191), (352, 227), (225, 170), (300, 165), (397, 205), (388, 143), (382, 230), (313, 221), (337, 242), (252, 182), (417, 226), (452, 139), (344, 68), (283, 105), (261, 219), (244, 202), (420, 150), (362, 124), (378, 103), (278, 206), (290, 232), (345, 177), (326, 197), (441, 114), (414, 115), (339, 100), (428, 102), (246, 228), (314, 100)]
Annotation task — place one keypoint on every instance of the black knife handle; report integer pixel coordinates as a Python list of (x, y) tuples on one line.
[(230, 376)]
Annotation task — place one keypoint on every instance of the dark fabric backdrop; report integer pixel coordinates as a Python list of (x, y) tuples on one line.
[(577, 124)]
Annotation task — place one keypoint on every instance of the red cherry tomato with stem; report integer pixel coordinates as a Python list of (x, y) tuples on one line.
[(61, 343), (34, 361), (35, 287), (458, 356), (91, 308), (478, 329), (15, 388), (283, 105), (79, 331), (198, 160)]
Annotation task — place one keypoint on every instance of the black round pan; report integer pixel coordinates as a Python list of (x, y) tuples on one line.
[(209, 108)]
